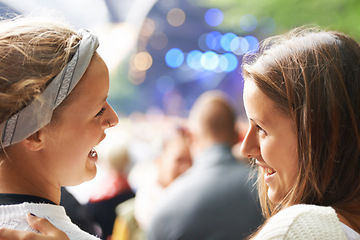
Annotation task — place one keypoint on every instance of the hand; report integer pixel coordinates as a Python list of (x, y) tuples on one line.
[(46, 229)]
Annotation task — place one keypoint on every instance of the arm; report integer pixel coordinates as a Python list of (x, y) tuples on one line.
[(46, 229)]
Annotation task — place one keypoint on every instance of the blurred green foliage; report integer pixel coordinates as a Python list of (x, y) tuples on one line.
[(340, 15)]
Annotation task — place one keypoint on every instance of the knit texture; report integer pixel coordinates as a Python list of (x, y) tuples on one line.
[(303, 222), (14, 216)]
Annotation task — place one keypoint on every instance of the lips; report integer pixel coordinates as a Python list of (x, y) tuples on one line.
[(269, 171), (269, 174), (93, 154)]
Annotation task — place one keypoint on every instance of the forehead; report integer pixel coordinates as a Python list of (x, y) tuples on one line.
[(252, 95), (93, 76), (256, 103), (261, 109), (92, 87)]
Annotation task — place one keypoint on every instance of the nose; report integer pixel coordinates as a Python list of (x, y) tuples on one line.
[(111, 119), (250, 146)]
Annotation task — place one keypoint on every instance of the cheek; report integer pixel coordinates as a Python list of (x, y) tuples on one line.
[(80, 142), (291, 167), (270, 151), (291, 158), (280, 155)]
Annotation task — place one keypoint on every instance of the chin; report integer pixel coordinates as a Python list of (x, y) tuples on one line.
[(91, 174), (274, 197)]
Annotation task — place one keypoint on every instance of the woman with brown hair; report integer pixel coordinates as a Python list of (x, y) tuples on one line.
[(302, 99)]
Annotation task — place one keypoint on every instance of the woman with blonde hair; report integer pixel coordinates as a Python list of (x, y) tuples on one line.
[(53, 90), (302, 99)]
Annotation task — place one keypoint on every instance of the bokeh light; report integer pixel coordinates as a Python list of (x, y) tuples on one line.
[(209, 60), (267, 25), (176, 17), (136, 77), (248, 22), (142, 61), (228, 62), (213, 39), (253, 43), (239, 45), (148, 27), (174, 58), (214, 17), (158, 41), (193, 59), (226, 41), (202, 42)]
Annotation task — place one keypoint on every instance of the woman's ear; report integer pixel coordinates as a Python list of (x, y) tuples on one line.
[(34, 142)]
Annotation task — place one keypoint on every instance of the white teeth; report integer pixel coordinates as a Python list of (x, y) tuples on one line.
[(269, 171), (93, 153)]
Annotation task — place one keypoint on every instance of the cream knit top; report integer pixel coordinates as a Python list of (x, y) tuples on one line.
[(303, 222), (14, 216)]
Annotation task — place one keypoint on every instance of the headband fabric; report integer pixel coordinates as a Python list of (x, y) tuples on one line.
[(39, 112)]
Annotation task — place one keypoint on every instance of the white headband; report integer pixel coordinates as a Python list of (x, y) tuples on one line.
[(38, 113)]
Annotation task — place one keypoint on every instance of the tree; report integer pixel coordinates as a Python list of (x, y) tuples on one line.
[(341, 15)]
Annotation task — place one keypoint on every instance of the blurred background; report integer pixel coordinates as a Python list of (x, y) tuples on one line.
[(162, 54)]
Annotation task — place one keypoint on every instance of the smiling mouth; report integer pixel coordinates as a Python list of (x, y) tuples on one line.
[(269, 171), (93, 154)]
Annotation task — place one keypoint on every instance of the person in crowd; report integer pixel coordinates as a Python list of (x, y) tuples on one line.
[(214, 199), (135, 215), (173, 161), (53, 91), (302, 100)]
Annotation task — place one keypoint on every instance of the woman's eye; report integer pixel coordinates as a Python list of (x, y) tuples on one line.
[(101, 112), (260, 130)]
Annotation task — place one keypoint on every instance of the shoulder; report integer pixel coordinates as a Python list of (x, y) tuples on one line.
[(303, 222)]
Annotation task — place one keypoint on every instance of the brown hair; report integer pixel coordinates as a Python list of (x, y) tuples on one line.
[(313, 76), (32, 53)]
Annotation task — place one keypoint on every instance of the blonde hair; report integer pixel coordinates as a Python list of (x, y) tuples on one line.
[(32, 52)]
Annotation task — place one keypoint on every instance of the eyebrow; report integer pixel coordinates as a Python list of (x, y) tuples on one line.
[(105, 99), (102, 101), (257, 121)]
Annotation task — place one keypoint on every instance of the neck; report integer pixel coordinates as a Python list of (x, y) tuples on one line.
[(22, 176), (351, 220), (201, 145)]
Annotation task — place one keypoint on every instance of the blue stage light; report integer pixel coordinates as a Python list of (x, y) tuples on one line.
[(213, 40), (253, 43), (226, 41), (232, 62), (214, 17), (210, 60), (193, 59), (174, 58)]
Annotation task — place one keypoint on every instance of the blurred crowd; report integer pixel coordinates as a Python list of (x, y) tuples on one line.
[(166, 177)]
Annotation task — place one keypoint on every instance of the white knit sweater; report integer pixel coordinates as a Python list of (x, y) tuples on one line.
[(14, 216), (303, 222)]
